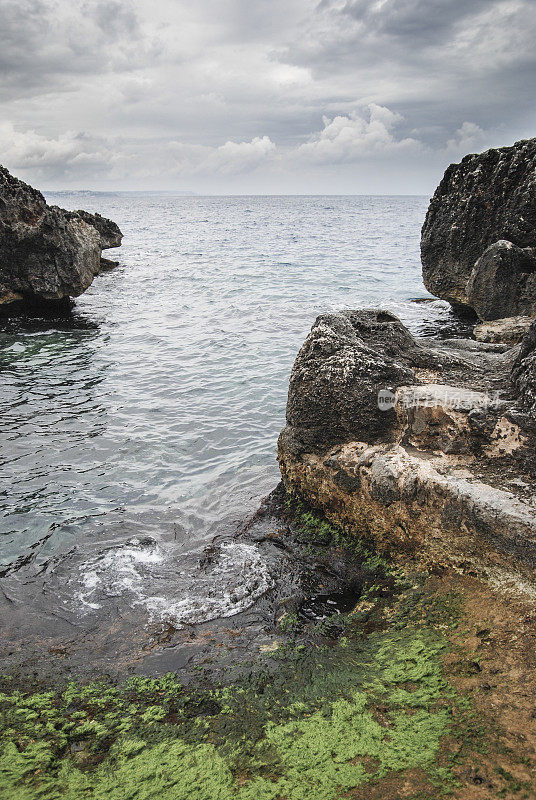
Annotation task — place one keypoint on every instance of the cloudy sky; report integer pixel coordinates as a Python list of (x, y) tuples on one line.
[(260, 96)]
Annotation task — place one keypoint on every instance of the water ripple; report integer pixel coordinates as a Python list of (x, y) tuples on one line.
[(158, 404)]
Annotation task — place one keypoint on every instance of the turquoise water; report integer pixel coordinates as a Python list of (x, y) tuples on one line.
[(154, 411)]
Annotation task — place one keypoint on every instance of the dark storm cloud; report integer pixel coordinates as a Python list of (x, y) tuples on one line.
[(415, 23), (434, 61), (279, 93), (47, 44)]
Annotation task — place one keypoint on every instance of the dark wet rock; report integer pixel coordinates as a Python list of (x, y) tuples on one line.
[(343, 364), (487, 200), (503, 282), (108, 263), (47, 253), (524, 373)]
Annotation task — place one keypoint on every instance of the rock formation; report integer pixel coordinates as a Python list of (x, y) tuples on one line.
[(510, 330), (478, 243), (443, 471), (524, 372), (110, 235), (47, 253)]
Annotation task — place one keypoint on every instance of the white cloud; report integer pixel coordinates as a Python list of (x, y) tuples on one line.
[(237, 157), (230, 94), (231, 158), (467, 137), (69, 153), (363, 133)]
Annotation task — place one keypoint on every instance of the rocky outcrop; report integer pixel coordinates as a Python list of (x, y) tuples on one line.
[(524, 372), (478, 244), (333, 393), (510, 330), (503, 282), (110, 235), (445, 471), (47, 253)]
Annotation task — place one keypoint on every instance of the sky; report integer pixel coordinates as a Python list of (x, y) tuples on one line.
[(260, 96)]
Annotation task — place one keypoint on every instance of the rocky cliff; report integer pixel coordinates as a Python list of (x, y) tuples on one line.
[(389, 438), (478, 243), (47, 253)]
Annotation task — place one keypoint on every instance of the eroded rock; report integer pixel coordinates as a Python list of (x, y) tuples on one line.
[(510, 330), (524, 372), (503, 282), (109, 232), (484, 209), (337, 375), (447, 473), (47, 253)]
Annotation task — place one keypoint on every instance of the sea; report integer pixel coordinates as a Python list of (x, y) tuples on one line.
[(144, 424)]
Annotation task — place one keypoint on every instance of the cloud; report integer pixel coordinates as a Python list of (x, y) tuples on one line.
[(222, 91), (48, 44), (231, 158), (363, 133), (70, 154), (437, 62), (237, 157), (468, 136)]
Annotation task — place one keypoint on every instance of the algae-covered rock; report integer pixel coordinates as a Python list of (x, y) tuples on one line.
[(443, 470)]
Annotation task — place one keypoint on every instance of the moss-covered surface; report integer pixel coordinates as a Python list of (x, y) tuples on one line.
[(306, 729), (375, 713)]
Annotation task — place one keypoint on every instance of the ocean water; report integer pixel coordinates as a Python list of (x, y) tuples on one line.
[(144, 425)]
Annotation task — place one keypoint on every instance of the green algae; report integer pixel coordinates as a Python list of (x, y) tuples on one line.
[(299, 734), (322, 722)]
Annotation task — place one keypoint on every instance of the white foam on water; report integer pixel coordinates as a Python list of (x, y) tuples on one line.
[(226, 583), (239, 577)]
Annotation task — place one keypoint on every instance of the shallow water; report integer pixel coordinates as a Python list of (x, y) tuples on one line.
[(136, 431)]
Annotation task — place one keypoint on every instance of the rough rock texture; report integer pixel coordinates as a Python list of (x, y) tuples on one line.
[(447, 472), (524, 372), (337, 375), (108, 231), (503, 282), (510, 330), (484, 210), (47, 253)]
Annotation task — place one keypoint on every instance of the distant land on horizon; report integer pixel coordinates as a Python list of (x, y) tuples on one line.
[(178, 193), (117, 193)]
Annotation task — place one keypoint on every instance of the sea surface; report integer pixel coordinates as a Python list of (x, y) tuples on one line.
[(136, 430)]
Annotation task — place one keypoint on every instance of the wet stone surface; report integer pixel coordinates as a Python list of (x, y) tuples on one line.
[(301, 583)]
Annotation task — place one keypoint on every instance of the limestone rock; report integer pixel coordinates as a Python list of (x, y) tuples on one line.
[(47, 253), (427, 507), (503, 282), (510, 330), (524, 372), (337, 375), (486, 200), (447, 474), (109, 232)]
